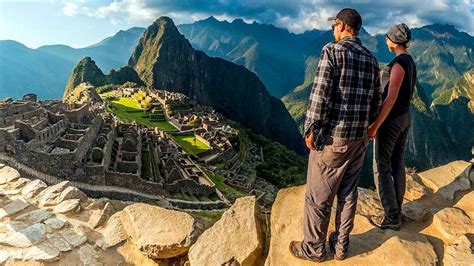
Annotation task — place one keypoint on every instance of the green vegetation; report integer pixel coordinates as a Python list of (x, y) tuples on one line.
[(281, 166), (218, 181), (190, 144), (128, 110), (104, 89)]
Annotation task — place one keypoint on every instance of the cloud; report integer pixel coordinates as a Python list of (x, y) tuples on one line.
[(295, 15)]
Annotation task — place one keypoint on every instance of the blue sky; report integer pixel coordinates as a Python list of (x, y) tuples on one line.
[(79, 23)]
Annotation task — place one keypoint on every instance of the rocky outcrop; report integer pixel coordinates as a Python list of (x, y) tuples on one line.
[(171, 235), (88, 232), (237, 237), (448, 179), (86, 71), (451, 225)]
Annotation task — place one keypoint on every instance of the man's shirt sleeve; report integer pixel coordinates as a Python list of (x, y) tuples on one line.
[(322, 87)]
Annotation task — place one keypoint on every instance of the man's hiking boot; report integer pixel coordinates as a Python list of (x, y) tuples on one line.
[(338, 253), (384, 222), (297, 251)]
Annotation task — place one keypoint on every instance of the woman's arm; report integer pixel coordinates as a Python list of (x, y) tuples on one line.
[(396, 78)]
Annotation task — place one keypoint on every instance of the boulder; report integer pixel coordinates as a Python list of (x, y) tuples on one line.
[(99, 217), (448, 179), (71, 193), (237, 236), (171, 235), (13, 207), (20, 183), (67, 206), (368, 203), (114, 233), (48, 196), (33, 188), (8, 174), (466, 203), (450, 223), (415, 188), (414, 211), (460, 252)]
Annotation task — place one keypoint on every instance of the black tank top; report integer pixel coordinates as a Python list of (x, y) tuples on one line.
[(402, 104)]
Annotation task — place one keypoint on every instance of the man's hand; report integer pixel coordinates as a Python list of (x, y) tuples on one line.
[(372, 131), (309, 139)]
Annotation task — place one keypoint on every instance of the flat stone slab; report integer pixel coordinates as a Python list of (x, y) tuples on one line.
[(35, 216), (8, 174), (74, 237), (58, 242), (27, 237), (33, 188), (448, 179), (67, 206), (460, 252), (71, 193), (13, 207), (450, 223), (41, 252), (55, 223), (48, 195), (88, 255)]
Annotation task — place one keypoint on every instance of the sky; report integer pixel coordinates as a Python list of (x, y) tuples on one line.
[(79, 23)]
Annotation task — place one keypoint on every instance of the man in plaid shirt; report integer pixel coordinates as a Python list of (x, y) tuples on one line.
[(345, 98)]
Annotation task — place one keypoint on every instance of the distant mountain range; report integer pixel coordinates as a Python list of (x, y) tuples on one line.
[(45, 70), (285, 62)]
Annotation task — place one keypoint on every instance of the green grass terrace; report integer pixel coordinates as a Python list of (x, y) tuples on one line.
[(128, 110), (190, 143)]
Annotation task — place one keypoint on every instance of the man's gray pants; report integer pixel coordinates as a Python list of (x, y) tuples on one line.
[(389, 168), (332, 172)]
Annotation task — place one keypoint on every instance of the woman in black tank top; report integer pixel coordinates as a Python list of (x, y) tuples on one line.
[(390, 129)]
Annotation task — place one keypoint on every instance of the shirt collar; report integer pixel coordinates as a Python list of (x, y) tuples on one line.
[(351, 39)]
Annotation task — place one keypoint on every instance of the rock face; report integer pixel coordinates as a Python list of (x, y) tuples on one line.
[(448, 179), (32, 229), (409, 246), (171, 235), (236, 237), (86, 70), (164, 58)]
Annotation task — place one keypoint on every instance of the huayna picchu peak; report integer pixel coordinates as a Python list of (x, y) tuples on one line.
[(164, 59)]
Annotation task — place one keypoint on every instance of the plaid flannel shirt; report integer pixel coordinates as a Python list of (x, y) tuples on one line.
[(346, 94)]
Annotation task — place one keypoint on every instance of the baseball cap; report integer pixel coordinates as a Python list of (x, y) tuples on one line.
[(349, 16)]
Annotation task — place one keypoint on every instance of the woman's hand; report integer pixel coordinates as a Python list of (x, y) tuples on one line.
[(372, 131), (309, 140)]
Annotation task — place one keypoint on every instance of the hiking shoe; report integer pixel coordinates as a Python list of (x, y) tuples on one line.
[(384, 222), (297, 251), (338, 253)]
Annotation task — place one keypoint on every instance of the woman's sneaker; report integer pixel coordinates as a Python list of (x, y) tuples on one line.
[(384, 222)]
